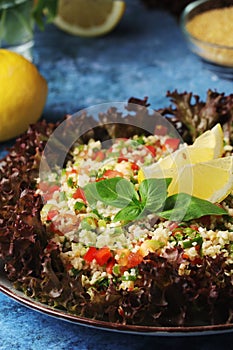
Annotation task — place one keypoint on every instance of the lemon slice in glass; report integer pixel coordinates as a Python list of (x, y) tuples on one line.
[(89, 18)]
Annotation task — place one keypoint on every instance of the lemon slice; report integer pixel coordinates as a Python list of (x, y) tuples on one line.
[(186, 155), (212, 139), (212, 180), (195, 169), (206, 147), (89, 18)]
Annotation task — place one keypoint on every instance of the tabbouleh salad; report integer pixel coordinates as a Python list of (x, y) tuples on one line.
[(103, 250), (112, 259), (91, 243)]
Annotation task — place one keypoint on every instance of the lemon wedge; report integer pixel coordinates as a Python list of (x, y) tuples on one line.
[(89, 18), (196, 169), (212, 180), (206, 147), (212, 139)]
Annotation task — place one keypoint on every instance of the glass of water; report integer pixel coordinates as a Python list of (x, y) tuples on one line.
[(17, 26)]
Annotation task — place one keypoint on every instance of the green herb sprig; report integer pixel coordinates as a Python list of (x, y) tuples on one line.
[(151, 197), (45, 10)]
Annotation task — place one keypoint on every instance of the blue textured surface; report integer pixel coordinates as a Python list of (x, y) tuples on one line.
[(25, 329), (145, 56)]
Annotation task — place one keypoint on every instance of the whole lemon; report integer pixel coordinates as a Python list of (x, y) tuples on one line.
[(23, 93)]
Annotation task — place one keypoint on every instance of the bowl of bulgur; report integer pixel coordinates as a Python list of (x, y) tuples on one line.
[(208, 26)]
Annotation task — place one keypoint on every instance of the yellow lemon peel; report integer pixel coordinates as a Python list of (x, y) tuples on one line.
[(196, 169), (23, 93)]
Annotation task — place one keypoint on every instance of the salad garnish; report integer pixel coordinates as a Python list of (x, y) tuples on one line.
[(151, 197)]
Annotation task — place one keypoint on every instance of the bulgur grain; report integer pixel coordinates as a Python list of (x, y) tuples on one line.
[(214, 27)]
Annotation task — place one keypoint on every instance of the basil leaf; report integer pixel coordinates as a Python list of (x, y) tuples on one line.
[(129, 213), (153, 193), (117, 192), (183, 207)]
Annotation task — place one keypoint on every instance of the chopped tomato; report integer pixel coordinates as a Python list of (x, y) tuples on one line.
[(197, 248), (98, 156), (134, 167), (73, 171), (134, 259), (172, 143), (152, 150), (110, 265), (194, 227), (48, 190), (108, 174), (173, 225), (122, 159), (51, 214), (55, 230), (103, 255), (196, 261), (90, 254), (129, 259), (160, 130), (79, 194), (43, 186), (185, 256), (51, 246), (53, 188), (69, 267), (109, 151)]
